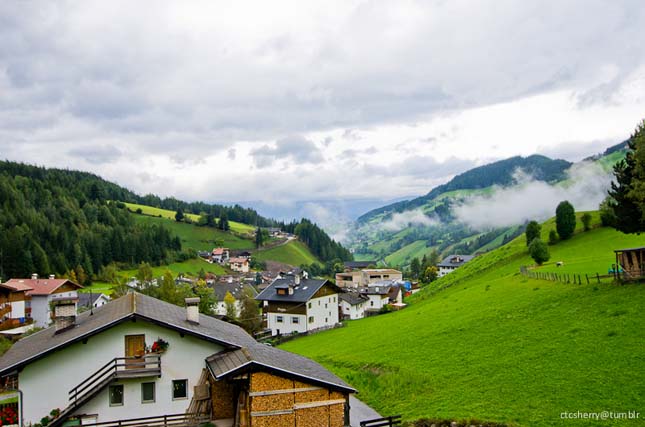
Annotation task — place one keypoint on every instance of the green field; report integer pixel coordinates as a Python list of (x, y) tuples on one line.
[(237, 227), (199, 238), (488, 343), (190, 268), (404, 255), (293, 253), (98, 288)]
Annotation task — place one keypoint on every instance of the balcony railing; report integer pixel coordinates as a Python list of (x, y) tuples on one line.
[(119, 367)]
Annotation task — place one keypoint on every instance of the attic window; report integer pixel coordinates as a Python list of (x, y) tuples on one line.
[(282, 291)]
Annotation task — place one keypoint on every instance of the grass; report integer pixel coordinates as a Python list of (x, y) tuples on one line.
[(404, 255), (293, 253), (237, 227), (190, 267), (98, 288), (488, 343), (199, 238)]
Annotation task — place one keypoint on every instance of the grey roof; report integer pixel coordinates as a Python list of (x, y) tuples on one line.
[(132, 305), (455, 260), (86, 299), (231, 362), (236, 289), (301, 293), (630, 249), (382, 287), (358, 264), (352, 298)]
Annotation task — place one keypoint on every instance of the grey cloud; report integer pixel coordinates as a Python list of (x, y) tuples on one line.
[(232, 153), (97, 154), (421, 166), (296, 148)]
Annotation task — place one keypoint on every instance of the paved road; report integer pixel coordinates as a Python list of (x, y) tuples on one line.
[(360, 412)]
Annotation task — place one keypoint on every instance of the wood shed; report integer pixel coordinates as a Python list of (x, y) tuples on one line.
[(631, 263)]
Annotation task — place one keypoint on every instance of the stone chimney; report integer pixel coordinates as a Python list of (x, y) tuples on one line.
[(64, 313), (34, 276), (192, 310)]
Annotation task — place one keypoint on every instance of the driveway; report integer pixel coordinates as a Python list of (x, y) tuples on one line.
[(358, 411)]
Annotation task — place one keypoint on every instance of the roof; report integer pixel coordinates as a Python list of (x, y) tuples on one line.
[(17, 286), (376, 290), (130, 306), (236, 289), (219, 251), (239, 260), (642, 248), (382, 271), (40, 286), (358, 264), (86, 299), (352, 298), (301, 293), (229, 363), (394, 291), (455, 260)]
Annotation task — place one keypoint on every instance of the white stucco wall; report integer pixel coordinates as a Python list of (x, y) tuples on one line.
[(354, 312), (376, 302), (45, 383), (17, 309), (40, 310), (324, 310)]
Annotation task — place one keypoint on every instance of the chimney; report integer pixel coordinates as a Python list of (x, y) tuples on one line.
[(192, 310), (296, 279), (64, 313), (34, 276), (52, 276)]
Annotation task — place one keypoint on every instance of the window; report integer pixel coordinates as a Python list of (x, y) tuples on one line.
[(371, 303), (325, 320), (147, 392), (318, 302), (179, 389), (295, 320), (115, 392), (334, 299), (311, 319), (279, 319), (309, 305), (325, 305)]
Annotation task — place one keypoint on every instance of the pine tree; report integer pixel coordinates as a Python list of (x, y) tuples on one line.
[(533, 230), (179, 216), (259, 239)]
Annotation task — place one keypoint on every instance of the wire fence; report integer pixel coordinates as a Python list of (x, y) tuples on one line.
[(568, 278)]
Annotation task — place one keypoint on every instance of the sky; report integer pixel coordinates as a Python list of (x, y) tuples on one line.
[(286, 102)]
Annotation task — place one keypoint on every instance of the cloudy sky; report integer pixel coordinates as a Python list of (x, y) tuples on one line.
[(291, 101)]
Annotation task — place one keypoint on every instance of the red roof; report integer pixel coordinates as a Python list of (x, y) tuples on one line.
[(219, 251), (39, 286), (238, 260)]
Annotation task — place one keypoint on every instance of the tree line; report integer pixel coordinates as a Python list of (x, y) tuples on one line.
[(52, 224), (318, 241)]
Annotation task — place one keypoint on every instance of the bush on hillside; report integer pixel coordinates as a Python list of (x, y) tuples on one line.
[(586, 221), (553, 237), (533, 230), (539, 251), (565, 220)]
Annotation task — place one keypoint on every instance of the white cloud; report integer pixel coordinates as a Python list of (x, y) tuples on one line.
[(585, 188), (401, 220)]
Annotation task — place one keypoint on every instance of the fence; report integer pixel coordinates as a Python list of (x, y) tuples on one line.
[(569, 278)]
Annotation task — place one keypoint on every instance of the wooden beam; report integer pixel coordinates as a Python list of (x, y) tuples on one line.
[(283, 391), (318, 403), (270, 413)]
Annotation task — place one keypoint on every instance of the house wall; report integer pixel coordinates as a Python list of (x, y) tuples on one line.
[(324, 310), (445, 270), (40, 310), (220, 308), (46, 382), (353, 311), (376, 302)]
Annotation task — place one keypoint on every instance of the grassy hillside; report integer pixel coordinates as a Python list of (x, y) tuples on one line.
[(486, 342), (293, 253), (237, 227), (199, 238)]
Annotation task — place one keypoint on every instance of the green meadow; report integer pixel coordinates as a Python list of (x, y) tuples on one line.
[(486, 342), (293, 253)]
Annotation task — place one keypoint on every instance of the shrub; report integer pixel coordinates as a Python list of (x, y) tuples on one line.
[(539, 251), (533, 230), (139, 211), (553, 237), (586, 221), (565, 220)]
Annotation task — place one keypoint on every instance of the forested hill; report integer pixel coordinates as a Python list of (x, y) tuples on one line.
[(52, 222), (318, 241), (498, 173), (84, 185)]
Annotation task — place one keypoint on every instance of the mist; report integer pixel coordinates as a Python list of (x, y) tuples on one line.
[(530, 199), (401, 220)]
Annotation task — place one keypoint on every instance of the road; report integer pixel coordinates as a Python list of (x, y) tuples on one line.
[(360, 412)]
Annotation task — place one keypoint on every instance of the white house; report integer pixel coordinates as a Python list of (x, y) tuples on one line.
[(295, 303), (239, 264), (40, 295), (220, 255), (352, 305), (365, 277), (139, 357), (451, 263), (88, 300), (236, 289)]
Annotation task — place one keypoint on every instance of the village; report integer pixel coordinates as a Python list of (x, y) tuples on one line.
[(139, 355)]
